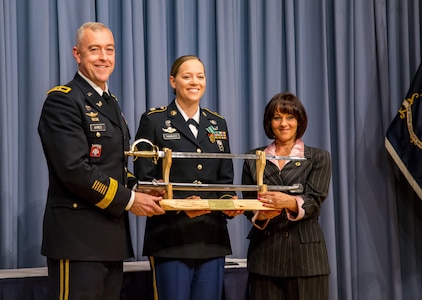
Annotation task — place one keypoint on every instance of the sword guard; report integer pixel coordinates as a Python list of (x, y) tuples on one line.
[(133, 151)]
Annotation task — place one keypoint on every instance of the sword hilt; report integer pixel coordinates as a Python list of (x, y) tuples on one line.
[(133, 151)]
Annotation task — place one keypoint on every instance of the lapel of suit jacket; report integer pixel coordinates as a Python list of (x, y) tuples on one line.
[(97, 101), (289, 173), (294, 169), (272, 174), (203, 124), (121, 121)]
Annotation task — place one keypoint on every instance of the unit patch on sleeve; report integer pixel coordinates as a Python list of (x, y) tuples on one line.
[(95, 150)]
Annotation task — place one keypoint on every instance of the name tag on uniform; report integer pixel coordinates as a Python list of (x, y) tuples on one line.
[(171, 136), (97, 127)]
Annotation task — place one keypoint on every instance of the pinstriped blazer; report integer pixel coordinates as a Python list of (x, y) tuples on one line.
[(291, 248)]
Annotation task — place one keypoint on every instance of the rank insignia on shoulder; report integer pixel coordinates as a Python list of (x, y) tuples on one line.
[(60, 88), (214, 113), (157, 109)]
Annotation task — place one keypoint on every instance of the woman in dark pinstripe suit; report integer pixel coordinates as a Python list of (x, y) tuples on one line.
[(287, 256)]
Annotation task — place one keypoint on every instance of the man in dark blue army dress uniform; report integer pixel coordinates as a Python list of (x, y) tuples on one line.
[(84, 135)]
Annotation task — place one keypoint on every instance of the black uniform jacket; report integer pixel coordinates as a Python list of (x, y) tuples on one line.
[(84, 140), (175, 235), (292, 248)]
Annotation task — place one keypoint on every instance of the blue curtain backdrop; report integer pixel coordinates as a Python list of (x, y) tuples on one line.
[(351, 63)]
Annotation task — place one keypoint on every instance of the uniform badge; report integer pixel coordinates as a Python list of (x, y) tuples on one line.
[(99, 104), (95, 150), (220, 145), (220, 135), (213, 122), (169, 130), (88, 107), (89, 94), (173, 113), (92, 114), (211, 136)]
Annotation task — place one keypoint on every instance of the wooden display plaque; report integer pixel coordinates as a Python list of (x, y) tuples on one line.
[(212, 204)]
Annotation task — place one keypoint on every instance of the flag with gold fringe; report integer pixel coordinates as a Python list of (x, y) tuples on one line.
[(404, 136)]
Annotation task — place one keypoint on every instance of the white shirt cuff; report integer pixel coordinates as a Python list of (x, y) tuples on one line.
[(131, 200)]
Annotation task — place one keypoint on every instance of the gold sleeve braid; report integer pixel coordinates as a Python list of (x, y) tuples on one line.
[(108, 192)]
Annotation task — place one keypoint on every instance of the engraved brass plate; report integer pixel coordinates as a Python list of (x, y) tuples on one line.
[(221, 204)]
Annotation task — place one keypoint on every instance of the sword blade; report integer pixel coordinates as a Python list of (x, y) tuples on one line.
[(156, 153), (296, 188), (162, 154)]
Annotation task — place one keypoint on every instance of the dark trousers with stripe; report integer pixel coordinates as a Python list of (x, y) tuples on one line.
[(288, 288), (84, 280), (187, 279)]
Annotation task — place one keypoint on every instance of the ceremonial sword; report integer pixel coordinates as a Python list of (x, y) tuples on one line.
[(167, 155), (156, 153), (295, 188)]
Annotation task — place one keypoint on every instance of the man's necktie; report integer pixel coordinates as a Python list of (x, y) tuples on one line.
[(111, 103), (106, 97)]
